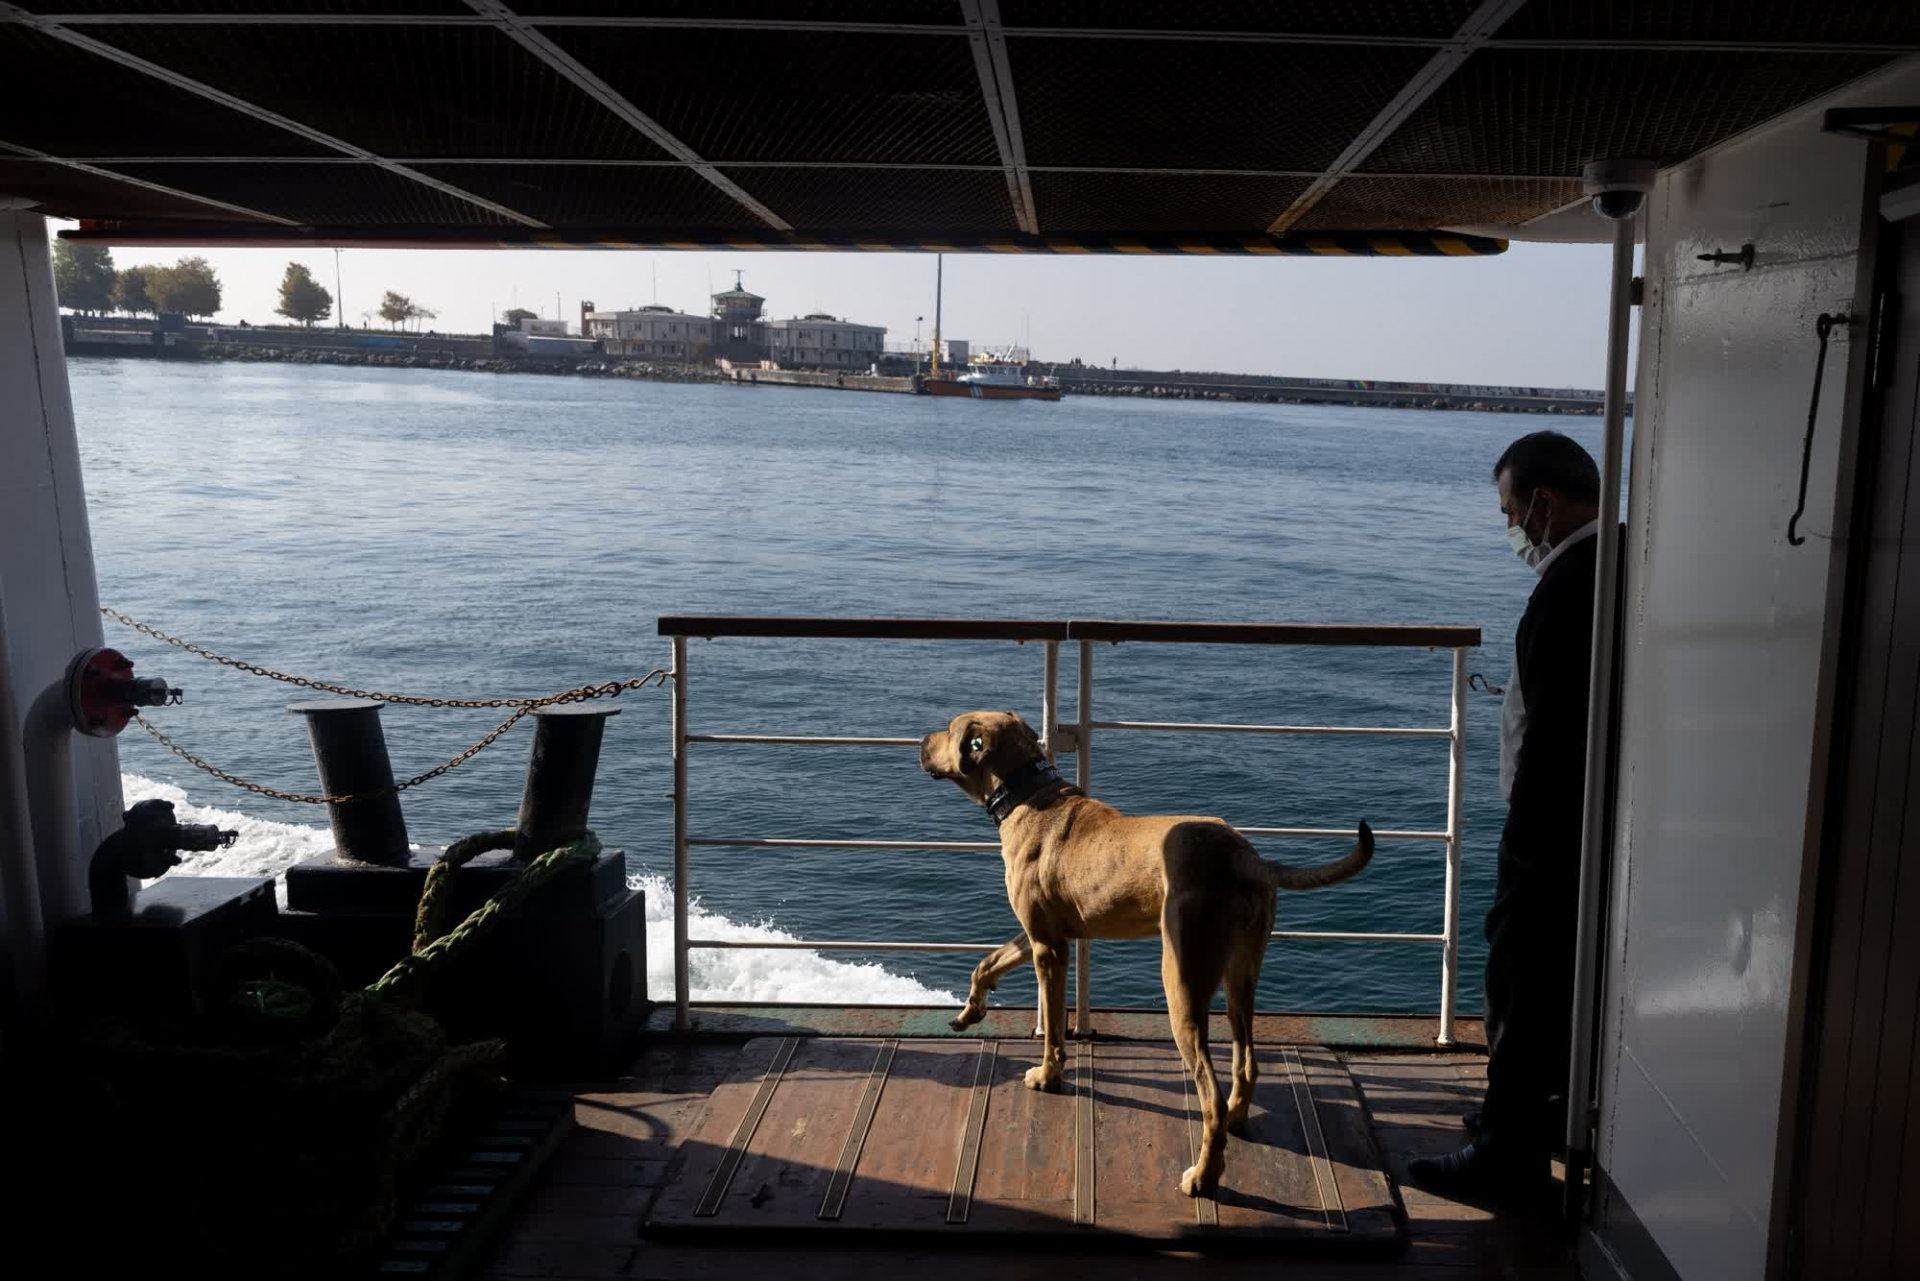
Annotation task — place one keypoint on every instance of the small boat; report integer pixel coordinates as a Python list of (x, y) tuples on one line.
[(988, 376), (992, 378)]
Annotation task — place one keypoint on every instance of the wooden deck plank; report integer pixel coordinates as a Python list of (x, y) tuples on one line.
[(789, 1162), (926, 1097), (1141, 1149), (1026, 1154), (1415, 1100), (1268, 1174)]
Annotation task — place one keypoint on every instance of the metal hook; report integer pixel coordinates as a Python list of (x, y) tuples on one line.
[(1481, 683)]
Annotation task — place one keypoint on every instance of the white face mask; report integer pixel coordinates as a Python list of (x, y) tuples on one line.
[(1529, 552)]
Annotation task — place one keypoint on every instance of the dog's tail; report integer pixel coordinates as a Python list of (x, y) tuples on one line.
[(1312, 878)]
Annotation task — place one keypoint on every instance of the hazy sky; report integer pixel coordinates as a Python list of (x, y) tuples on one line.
[(1535, 315)]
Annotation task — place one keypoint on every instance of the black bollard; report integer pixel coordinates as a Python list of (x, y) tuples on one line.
[(351, 752), (559, 788)]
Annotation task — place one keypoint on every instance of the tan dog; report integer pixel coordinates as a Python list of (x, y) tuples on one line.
[(1076, 868)]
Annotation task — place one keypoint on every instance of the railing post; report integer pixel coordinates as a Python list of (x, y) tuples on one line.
[(1050, 699), (1456, 771), (1083, 775), (682, 1013)]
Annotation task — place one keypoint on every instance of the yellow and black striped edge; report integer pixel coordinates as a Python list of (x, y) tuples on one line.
[(1357, 244)]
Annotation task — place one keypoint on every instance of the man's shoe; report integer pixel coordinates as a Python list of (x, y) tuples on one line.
[(1474, 1172), (1471, 1120)]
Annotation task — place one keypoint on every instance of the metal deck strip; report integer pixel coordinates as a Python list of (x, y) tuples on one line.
[(836, 1198), (1330, 1203), (968, 1166), (1205, 1208), (1083, 1157), (743, 1133)]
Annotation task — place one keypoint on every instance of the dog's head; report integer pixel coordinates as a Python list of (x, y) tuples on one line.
[(979, 750)]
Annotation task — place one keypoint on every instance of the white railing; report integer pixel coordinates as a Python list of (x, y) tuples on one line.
[(1051, 634)]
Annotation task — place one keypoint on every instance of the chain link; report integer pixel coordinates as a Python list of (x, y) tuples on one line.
[(521, 706)]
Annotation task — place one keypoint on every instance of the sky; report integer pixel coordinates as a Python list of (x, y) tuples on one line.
[(1534, 316)]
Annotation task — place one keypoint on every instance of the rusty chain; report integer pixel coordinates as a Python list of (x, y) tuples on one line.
[(521, 706)]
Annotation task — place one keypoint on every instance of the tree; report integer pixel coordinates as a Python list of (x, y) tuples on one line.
[(130, 291), (189, 287), (396, 309), (518, 314), (83, 276), (303, 298), (418, 314)]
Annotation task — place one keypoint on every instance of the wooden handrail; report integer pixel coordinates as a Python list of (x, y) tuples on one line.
[(1040, 629)]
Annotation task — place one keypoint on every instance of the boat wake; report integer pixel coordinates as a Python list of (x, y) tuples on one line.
[(267, 848)]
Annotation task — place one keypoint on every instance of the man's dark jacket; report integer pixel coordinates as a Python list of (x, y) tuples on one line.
[(1553, 652)]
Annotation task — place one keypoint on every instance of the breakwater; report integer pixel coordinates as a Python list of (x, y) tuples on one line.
[(1276, 390)]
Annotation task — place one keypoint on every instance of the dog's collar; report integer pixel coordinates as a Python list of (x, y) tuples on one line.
[(1020, 788)]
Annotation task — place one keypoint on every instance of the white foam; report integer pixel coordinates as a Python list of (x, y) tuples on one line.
[(777, 974), (266, 848)]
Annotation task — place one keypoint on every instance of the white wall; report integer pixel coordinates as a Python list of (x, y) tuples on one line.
[(1725, 627), (46, 553)]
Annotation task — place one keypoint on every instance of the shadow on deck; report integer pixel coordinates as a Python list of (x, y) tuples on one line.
[(649, 1142)]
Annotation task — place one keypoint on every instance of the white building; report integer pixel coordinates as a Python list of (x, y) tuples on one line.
[(654, 330), (820, 339), (543, 328)]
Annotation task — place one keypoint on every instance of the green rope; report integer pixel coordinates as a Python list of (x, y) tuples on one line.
[(429, 921), (443, 950)]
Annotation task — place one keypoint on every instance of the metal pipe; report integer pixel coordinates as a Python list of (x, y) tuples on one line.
[(805, 740), (1378, 835), (1450, 917), (885, 945), (682, 1016), (1600, 697), (1382, 731), (797, 843), (850, 843), (843, 945), (1083, 776), (351, 753), (558, 794), (1356, 936), (1050, 698)]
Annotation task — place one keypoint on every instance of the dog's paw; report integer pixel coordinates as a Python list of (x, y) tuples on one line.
[(1237, 1122), (966, 1018), (1195, 1182), (1038, 1079)]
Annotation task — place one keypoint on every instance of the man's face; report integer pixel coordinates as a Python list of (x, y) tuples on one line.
[(1514, 506)]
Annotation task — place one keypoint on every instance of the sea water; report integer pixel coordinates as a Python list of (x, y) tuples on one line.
[(471, 535)]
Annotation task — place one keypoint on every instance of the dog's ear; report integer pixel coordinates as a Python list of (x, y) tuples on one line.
[(976, 744)]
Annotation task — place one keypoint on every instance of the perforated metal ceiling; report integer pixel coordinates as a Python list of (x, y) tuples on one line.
[(996, 124)]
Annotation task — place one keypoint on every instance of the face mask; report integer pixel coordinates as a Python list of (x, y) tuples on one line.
[(1529, 552)]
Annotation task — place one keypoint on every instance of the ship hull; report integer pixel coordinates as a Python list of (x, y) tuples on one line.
[(987, 391)]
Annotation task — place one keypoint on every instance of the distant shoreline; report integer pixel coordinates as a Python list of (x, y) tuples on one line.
[(1136, 384), (251, 353)]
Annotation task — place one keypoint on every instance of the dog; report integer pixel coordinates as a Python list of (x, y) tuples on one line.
[(1077, 868)]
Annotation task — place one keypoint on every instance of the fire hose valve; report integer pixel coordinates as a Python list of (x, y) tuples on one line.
[(103, 692), (148, 843)]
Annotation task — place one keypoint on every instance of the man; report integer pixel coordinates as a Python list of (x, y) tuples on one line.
[(1549, 492)]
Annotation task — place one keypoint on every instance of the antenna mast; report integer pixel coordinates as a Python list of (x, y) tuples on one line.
[(939, 270)]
